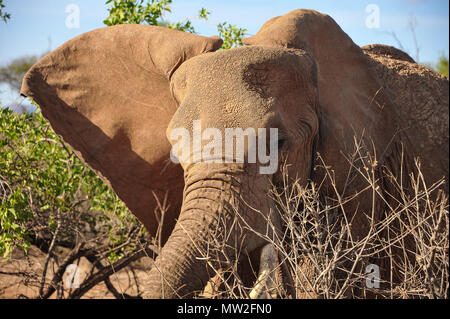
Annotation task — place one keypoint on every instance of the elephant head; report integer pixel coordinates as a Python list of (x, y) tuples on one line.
[(124, 96)]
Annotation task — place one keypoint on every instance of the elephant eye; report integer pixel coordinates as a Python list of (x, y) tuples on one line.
[(281, 142), (282, 138)]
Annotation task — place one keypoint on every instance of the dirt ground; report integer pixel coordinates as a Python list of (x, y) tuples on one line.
[(20, 277)]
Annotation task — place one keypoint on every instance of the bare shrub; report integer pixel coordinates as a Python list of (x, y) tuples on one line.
[(319, 255)]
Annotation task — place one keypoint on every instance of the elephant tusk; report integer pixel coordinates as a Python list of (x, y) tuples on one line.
[(269, 273)]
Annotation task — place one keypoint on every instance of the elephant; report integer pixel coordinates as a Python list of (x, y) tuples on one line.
[(118, 94)]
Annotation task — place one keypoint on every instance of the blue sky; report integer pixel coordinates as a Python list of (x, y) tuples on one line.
[(37, 26)]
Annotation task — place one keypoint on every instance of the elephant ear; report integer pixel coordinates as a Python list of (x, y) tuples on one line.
[(350, 96), (107, 93)]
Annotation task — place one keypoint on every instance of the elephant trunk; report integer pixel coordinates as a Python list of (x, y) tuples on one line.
[(220, 204), (209, 207)]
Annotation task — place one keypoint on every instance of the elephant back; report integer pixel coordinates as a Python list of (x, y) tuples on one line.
[(421, 102)]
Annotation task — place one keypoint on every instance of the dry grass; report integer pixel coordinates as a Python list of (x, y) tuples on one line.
[(326, 251)]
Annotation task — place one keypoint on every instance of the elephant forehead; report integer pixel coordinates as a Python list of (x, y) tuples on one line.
[(243, 76)]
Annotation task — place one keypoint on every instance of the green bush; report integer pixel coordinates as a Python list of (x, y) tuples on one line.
[(442, 65), (4, 15), (150, 12), (46, 191)]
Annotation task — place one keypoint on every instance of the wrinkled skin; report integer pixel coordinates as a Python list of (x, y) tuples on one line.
[(301, 74)]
